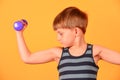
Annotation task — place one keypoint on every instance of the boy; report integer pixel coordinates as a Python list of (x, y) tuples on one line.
[(77, 60)]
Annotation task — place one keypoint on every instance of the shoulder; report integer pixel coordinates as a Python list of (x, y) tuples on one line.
[(56, 51), (96, 52), (97, 49)]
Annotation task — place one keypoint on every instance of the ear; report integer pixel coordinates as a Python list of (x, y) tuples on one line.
[(78, 31)]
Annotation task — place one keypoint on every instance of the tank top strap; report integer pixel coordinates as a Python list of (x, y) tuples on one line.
[(89, 46), (65, 52), (89, 49), (65, 49)]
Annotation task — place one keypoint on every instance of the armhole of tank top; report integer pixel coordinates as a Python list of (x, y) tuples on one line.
[(60, 58), (92, 55)]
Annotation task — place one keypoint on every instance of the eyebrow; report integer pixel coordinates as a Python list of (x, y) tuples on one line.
[(58, 31)]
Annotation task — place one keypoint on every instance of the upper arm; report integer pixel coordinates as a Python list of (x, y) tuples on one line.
[(108, 55), (44, 56)]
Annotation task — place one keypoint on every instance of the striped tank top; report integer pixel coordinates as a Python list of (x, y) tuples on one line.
[(77, 68)]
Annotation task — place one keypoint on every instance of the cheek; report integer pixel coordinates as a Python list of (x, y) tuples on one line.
[(70, 39)]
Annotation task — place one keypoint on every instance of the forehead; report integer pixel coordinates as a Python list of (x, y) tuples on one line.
[(64, 30), (60, 29)]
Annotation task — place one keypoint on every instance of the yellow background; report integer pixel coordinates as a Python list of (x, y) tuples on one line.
[(103, 29)]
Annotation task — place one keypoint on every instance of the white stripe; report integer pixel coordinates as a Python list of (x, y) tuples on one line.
[(72, 68), (88, 52), (76, 60), (65, 54), (77, 76)]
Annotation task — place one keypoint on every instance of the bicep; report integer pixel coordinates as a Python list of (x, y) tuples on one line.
[(109, 55), (43, 56)]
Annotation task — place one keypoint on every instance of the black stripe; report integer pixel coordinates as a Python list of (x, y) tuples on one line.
[(76, 64), (78, 72), (79, 79)]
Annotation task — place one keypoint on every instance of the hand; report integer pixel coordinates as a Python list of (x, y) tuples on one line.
[(20, 25)]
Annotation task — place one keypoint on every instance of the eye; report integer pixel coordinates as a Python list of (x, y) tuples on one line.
[(60, 33)]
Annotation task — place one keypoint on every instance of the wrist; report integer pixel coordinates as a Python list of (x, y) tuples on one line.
[(19, 32)]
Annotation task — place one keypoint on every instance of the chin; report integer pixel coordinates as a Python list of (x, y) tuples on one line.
[(66, 46)]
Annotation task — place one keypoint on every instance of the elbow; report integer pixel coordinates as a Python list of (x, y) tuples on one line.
[(26, 60)]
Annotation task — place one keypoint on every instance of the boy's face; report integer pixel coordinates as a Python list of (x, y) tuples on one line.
[(66, 36)]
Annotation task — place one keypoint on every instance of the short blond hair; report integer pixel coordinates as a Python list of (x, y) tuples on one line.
[(71, 17)]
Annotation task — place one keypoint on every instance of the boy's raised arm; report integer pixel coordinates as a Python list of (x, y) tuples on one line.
[(109, 55), (37, 57)]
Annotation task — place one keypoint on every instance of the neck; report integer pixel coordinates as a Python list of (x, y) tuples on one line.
[(79, 46), (80, 42)]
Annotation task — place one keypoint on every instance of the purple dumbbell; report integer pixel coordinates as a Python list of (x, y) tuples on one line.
[(19, 25)]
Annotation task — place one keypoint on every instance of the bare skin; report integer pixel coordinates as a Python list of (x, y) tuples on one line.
[(73, 38)]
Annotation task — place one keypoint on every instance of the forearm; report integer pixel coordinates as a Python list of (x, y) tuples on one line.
[(23, 50)]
